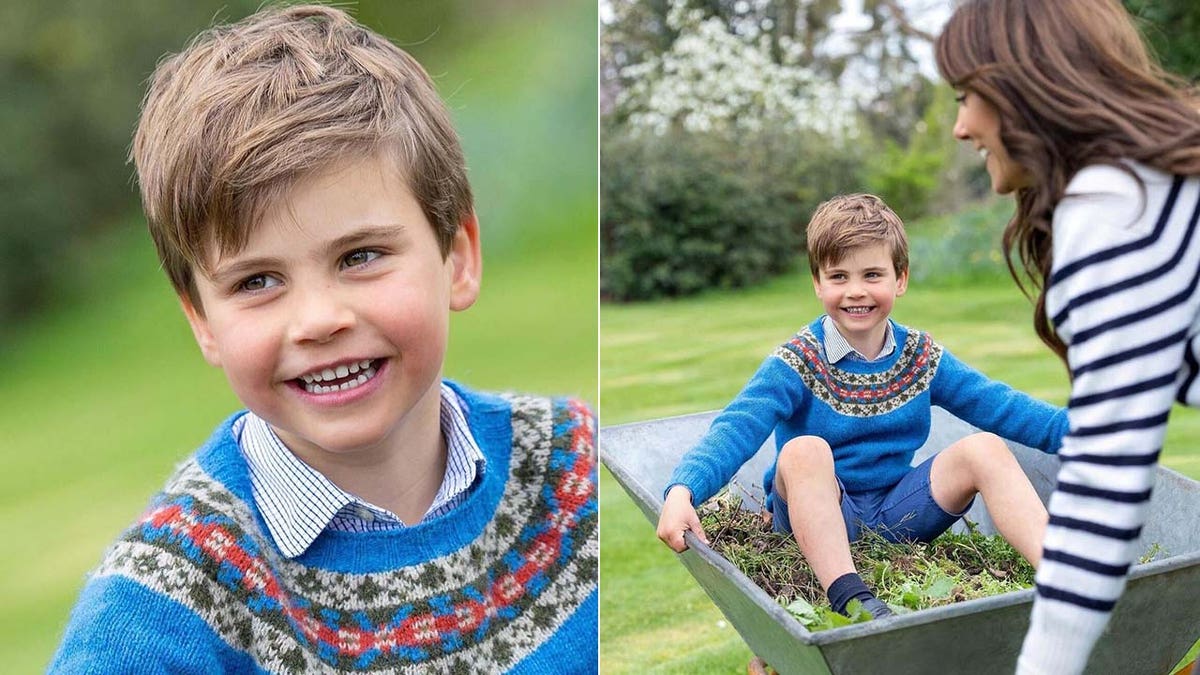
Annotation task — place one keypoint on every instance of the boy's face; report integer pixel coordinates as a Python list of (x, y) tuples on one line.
[(331, 323), (858, 292)]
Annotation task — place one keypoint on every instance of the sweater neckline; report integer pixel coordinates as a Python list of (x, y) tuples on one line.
[(858, 366), (490, 423)]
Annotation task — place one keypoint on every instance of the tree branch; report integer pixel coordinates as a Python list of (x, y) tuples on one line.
[(906, 26)]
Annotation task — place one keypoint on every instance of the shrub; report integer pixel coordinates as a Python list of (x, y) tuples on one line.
[(960, 247), (684, 212)]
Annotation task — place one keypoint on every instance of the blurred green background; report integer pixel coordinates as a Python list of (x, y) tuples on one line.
[(102, 389)]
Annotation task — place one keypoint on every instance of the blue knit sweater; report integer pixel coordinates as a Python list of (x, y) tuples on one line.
[(874, 415), (504, 582)]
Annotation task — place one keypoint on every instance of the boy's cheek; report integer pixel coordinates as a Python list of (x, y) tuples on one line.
[(202, 332)]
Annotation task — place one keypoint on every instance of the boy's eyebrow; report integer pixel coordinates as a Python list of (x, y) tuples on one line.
[(242, 267), (364, 234), (842, 270)]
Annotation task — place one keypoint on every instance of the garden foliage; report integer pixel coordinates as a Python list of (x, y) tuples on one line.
[(713, 158), (684, 212)]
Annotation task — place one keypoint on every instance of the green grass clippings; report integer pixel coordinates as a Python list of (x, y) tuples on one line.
[(907, 576)]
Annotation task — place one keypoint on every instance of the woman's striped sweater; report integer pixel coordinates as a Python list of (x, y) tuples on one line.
[(505, 582), (1123, 297)]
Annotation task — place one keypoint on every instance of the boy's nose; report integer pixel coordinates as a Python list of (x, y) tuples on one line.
[(319, 315)]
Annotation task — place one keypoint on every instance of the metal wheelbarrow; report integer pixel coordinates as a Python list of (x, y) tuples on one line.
[(1156, 621)]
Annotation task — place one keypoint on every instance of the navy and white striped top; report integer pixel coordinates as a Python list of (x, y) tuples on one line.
[(1123, 297), (297, 502)]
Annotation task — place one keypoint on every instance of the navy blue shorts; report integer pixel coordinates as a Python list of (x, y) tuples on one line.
[(904, 512)]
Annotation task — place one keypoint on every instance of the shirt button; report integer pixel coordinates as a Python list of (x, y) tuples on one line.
[(365, 514)]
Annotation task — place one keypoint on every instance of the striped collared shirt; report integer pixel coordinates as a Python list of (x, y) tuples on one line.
[(838, 348), (298, 502)]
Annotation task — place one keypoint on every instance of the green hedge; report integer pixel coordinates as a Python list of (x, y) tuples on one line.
[(681, 213)]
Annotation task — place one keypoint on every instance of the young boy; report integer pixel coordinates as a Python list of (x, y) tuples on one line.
[(309, 202), (849, 401)]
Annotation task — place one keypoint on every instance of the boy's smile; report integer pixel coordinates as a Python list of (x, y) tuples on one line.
[(331, 323), (858, 293)]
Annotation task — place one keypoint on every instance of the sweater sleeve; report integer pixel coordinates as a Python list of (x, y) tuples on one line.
[(996, 407), (1122, 301), (121, 626), (771, 396)]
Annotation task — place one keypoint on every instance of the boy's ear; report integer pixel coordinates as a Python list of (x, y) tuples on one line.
[(902, 283), (466, 264), (204, 337)]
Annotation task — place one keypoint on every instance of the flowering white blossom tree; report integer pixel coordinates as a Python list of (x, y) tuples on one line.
[(712, 80)]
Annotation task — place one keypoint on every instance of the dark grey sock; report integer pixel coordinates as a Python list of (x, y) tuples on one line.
[(876, 607), (850, 587)]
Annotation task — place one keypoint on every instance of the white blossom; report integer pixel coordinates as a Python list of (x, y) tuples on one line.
[(713, 80)]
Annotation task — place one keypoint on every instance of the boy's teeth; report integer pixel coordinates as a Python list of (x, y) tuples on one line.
[(335, 373), (316, 388)]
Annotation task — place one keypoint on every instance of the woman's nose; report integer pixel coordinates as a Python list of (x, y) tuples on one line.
[(960, 129)]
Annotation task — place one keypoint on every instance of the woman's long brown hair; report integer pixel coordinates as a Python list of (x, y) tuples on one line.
[(1074, 85)]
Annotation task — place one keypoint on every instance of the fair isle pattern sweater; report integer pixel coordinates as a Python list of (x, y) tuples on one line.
[(1123, 296), (874, 415), (504, 582)]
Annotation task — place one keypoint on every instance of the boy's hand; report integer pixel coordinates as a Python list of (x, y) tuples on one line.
[(678, 516)]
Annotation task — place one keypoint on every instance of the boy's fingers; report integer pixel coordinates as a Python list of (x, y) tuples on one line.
[(672, 536), (674, 539), (695, 527), (679, 545)]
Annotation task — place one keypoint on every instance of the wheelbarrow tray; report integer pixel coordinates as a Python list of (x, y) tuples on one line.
[(1154, 624)]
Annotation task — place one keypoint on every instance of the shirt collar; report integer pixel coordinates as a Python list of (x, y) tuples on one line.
[(838, 348), (297, 502)]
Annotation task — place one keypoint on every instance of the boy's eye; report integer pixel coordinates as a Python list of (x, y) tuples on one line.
[(258, 282), (359, 257)]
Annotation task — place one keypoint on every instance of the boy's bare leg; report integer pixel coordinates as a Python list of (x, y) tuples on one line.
[(804, 479), (983, 463)]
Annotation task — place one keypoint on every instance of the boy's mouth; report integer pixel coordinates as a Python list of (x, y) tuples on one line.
[(340, 377), (859, 311)]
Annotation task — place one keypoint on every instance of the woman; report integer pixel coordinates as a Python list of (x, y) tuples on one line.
[(1102, 152)]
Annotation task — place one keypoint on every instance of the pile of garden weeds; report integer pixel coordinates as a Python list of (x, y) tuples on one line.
[(907, 576)]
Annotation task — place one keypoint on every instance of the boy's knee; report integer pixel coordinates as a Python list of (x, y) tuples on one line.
[(989, 447), (982, 451), (805, 453)]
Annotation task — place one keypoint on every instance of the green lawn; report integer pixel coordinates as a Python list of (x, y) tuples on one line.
[(675, 357)]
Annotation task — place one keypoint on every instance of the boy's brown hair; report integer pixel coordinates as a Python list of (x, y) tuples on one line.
[(247, 110), (847, 222)]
